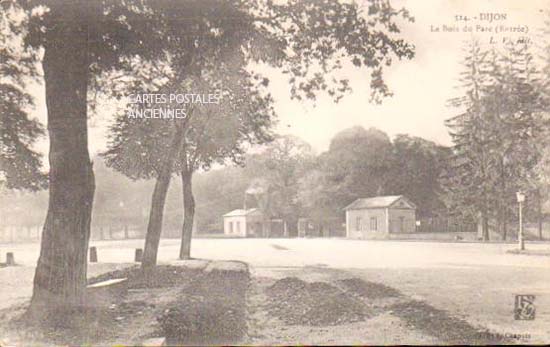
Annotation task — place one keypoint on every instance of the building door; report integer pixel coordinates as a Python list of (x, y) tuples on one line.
[(401, 224)]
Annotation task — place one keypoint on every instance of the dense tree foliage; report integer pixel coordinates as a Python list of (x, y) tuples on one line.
[(20, 164), (275, 174), (543, 167), (306, 40), (354, 154), (496, 135), (364, 163), (317, 187), (418, 164), (157, 148)]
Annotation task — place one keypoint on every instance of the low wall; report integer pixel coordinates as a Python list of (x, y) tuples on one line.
[(439, 236), (531, 232), (449, 236)]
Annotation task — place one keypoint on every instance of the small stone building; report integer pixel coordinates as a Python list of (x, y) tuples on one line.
[(379, 216), (244, 223)]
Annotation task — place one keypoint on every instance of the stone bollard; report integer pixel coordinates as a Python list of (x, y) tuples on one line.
[(93, 255), (10, 259), (139, 255)]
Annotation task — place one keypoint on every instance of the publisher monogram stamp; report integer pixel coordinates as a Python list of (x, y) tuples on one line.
[(524, 307)]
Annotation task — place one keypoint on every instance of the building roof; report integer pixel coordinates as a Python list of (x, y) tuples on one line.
[(379, 202), (241, 212)]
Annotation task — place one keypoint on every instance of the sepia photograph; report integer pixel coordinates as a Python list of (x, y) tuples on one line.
[(274, 172)]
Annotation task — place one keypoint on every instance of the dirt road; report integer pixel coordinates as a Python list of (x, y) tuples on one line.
[(471, 281)]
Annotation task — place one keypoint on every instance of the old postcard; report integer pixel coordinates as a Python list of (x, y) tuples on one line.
[(274, 172)]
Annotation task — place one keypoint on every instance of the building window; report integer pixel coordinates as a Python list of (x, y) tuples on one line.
[(358, 224), (373, 223), (238, 227), (231, 227)]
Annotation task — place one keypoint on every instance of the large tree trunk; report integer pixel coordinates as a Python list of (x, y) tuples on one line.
[(505, 224), (154, 228), (188, 214), (500, 220), (484, 225), (60, 276), (502, 204), (539, 213), (267, 227)]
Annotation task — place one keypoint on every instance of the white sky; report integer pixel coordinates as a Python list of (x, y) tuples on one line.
[(421, 86)]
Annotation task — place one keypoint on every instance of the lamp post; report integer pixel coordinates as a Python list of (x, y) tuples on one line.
[(521, 198)]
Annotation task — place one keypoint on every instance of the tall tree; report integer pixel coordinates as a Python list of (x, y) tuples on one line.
[(222, 133), (364, 163), (415, 172), (80, 40), (315, 196), (542, 169), (357, 163), (515, 101), (468, 179), (494, 149), (277, 171), (212, 133)]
